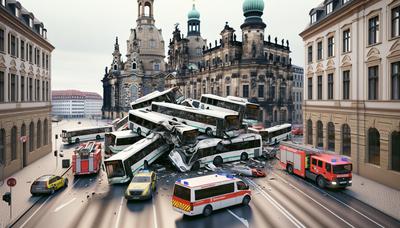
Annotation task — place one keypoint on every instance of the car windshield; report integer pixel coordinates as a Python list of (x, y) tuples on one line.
[(39, 183), (140, 179), (342, 169)]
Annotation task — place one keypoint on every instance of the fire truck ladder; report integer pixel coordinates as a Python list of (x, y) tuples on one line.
[(307, 149), (89, 147)]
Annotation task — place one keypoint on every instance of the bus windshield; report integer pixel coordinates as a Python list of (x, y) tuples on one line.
[(342, 169), (182, 192), (232, 123), (264, 135), (252, 112), (189, 137), (109, 140), (114, 169), (176, 96)]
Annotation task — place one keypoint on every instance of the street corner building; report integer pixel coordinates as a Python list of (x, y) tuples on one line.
[(142, 72), (25, 77), (352, 84), (76, 104), (254, 66)]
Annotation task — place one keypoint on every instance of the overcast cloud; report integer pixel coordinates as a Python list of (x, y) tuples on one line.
[(83, 31)]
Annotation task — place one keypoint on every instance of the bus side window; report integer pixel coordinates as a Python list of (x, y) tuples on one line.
[(328, 167)]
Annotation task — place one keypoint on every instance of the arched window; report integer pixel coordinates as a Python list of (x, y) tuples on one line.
[(374, 146), (23, 133), (14, 141), (31, 136), (346, 140), (115, 67), (331, 136), (396, 151), (147, 9), (320, 134), (309, 132), (45, 132), (134, 66), (2, 146), (39, 134)]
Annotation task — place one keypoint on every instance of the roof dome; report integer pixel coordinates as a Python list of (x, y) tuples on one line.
[(194, 14), (253, 6)]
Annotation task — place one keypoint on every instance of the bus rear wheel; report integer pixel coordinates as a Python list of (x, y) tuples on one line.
[(207, 211), (244, 157), (218, 161)]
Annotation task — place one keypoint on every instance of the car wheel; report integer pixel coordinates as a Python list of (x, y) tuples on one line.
[(52, 191), (207, 211), (244, 157), (246, 200), (289, 169), (98, 137), (218, 161), (321, 182), (66, 183), (139, 131), (195, 166), (209, 132), (77, 140)]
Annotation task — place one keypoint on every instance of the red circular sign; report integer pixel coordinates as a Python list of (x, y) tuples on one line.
[(11, 182)]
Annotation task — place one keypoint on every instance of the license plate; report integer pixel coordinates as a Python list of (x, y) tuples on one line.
[(343, 182)]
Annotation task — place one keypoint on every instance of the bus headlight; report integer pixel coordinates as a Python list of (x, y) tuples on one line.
[(334, 183)]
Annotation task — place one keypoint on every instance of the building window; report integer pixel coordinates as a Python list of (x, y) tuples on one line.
[(346, 140), (31, 136), (310, 54), (319, 50), (320, 134), (261, 91), (157, 67), (152, 44), (396, 21), (329, 8), (309, 132), (395, 149), (2, 89), (310, 88), (13, 88), (245, 90), (331, 46), (30, 89), (313, 18), (45, 132), (228, 90), (346, 41), (272, 92), (319, 88), (374, 145), (22, 88), (396, 81), (346, 85), (2, 147), (39, 134), (330, 86), (22, 50), (30, 50), (2, 40), (14, 141), (331, 136), (373, 83), (373, 30), (282, 94)]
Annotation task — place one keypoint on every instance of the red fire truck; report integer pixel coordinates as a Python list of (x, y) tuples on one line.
[(328, 170), (87, 158)]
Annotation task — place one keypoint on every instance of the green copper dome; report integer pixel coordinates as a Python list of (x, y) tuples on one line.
[(253, 6), (194, 14)]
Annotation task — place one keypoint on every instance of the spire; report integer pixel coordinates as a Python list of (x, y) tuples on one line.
[(116, 45), (193, 21)]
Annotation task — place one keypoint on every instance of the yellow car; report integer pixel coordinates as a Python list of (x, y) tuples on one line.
[(48, 184), (142, 186)]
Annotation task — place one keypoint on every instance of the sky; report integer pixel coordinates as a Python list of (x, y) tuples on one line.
[(83, 31)]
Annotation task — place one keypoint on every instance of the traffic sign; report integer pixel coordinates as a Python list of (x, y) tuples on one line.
[(11, 182)]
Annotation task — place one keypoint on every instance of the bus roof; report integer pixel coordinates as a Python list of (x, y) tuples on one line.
[(88, 128), (134, 148), (206, 180), (127, 133), (152, 96), (274, 128), (209, 142), (231, 99), (149, 115), (212, 113)]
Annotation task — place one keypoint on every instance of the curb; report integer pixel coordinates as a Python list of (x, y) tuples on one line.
[(13, 222)]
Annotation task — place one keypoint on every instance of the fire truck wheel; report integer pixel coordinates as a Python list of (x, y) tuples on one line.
[(246, 200), (97, 137), (195, 166), (77, 140), (321, 182), (244, 157), (289, 169), (139, 131), (217, 161), (207, 211)]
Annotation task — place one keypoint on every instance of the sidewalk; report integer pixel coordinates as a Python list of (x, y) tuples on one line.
[(376, 195)]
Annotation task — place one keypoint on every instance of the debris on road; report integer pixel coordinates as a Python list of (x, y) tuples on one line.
[(211, 167)]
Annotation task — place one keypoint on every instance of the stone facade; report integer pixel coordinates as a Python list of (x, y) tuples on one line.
[(255, 68), (25, 76), (352, 84), (142, 72)]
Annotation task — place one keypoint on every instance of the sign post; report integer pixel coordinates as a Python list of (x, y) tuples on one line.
[(11, 182)]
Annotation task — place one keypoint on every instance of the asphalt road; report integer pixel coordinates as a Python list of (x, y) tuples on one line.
[(278, 200)]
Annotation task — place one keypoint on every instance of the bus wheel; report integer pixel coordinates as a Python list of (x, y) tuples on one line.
[(77, 140), (139, 131), (217, 161), (209, 132), (246, 200), (320, 182), (207, 211), (289, 169), (195, 166), (276, 141), (97, 137), (244, 157)]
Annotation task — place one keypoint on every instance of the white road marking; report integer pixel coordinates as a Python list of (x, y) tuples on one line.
[(315, 201), (34, 213), (242, 220), (286, 213), (64, 205), (154, 213), (119, 212)]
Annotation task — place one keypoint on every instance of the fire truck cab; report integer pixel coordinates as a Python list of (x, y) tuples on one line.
[(87, 158), (328, 170)]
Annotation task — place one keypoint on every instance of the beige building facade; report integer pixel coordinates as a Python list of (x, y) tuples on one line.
[(25, 85), (352, 84)]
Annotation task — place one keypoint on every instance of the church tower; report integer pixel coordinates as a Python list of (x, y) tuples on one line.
[(193, 22), (145, 12), (253, 29), (117, 62)]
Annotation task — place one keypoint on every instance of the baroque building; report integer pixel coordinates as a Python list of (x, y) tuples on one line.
[(352, 84), (142, 72), (256, 68), (25, 85)]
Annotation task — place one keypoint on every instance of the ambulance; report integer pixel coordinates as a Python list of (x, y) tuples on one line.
[(205, 194)]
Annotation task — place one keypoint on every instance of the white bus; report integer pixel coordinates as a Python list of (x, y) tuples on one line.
[(216, 151), (205, 194), (172, 95), (213, 123), (143, 122), (76, 136), (275, 134), (115, 142), (249, 113), (121, 167), (120, 124)]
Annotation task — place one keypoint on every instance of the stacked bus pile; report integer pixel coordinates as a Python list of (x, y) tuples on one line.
[(192, 133)]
